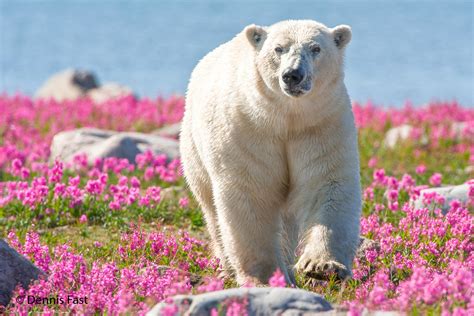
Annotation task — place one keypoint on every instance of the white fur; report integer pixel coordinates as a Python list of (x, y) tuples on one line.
[(269, 169)]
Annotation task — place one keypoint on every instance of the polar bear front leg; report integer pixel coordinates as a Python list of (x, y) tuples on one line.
[(331, 231), (250, 229)]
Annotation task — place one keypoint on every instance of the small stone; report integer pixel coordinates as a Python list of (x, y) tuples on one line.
[(366, 244)]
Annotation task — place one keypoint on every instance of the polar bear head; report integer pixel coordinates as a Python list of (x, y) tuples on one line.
[(298, 57)]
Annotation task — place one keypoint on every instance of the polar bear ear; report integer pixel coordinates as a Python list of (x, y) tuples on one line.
[(255, 34), (342, 35)]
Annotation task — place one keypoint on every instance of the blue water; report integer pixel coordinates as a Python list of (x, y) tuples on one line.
[(416, 50)]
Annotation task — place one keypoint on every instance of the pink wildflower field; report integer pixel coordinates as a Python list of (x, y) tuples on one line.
[(128, 236)]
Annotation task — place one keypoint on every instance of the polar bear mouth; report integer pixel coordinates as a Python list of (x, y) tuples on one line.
[(297, 90)]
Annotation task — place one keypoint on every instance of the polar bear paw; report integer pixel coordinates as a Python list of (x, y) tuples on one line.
[(322, 269)]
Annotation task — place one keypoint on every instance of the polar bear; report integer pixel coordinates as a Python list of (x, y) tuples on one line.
[(269, 149)]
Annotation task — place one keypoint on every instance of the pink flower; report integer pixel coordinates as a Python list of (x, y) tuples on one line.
[(114, 205), (135, 182), (277, 279), (420, 169), (94, 187), (56, 173), (170, 310), (371, 255), (416, 133), (372, 162), (24, 173), (16, 166), (379, 176), (211, 285), (83, 218), (392, 195), (435, 179), (183, 202), (236, 308), (149, 173)]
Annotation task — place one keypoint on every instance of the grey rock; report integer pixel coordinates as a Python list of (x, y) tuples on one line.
[(69, 84), (172, 130), (261, 301), (84, 79), (450, 193), (108, 91), (403, 132), (396, 134), (266, 301), (96, 143), (14, 269)]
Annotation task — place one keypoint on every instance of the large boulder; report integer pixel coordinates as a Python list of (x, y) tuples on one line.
[(260, 301), (69, 84), (72, 84), (449, 193), (96, 143), (14, 270)]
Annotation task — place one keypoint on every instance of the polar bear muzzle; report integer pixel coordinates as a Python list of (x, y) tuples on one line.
[(295, 82)]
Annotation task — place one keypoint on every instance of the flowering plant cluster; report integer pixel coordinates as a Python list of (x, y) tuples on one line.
[(128, 235)]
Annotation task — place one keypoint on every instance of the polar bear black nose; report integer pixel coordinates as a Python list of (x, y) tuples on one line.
[(292, 76)]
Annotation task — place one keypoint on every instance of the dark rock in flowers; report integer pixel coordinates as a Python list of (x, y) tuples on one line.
[(14, 270)]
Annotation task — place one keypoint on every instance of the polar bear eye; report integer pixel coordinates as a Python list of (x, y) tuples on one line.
[(279, 49), (315, 49)]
